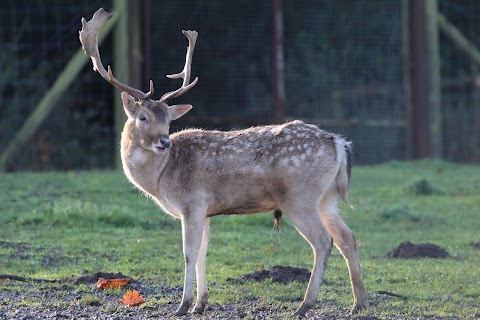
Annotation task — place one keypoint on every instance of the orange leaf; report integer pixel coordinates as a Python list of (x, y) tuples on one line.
[(4, 281), (103, 283), (272, 248), (132, 298)]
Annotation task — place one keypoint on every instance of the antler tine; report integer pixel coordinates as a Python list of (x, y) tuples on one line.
[(89, 40), (132, 91), (185, 74)]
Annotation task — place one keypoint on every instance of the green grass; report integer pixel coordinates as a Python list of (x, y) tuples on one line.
[(64, 225)]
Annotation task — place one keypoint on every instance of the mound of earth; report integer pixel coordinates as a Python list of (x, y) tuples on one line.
[(282, 274), (94, 277), (408, 250)]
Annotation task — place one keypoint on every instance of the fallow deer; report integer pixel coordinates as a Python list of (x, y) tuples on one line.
[(197, 174)]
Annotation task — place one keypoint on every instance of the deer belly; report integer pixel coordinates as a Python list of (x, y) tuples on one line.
[(244, 199)]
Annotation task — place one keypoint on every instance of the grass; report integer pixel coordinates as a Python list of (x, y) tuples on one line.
[(64, 225)]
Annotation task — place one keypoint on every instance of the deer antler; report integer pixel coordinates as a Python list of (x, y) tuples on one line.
[(89, 40), (185, 74)]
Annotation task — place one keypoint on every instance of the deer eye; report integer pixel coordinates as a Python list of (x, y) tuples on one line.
[(142, 118)]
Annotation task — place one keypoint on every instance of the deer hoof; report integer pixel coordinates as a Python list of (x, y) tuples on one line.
[(199, 308), (182, 310), (301, 311), (357, 307), (200, 304)]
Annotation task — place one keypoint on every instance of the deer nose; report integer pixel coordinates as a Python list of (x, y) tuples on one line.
[(166, 142)]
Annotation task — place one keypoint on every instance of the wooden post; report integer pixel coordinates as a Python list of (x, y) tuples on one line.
[(136, 52), (462, 42), (50, 99), (140, 43), (121, 67), (425, 79), (278, 63), (407, 83), (434, 81), (473, 53), (419, 80)]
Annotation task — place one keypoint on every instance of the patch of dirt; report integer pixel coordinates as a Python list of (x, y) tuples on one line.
[(282, 274), (94, 277), (21, 250), (15, 245), (32, 300), (408, 250)]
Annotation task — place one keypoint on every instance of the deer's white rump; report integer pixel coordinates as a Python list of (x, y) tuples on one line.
[(196, 174)]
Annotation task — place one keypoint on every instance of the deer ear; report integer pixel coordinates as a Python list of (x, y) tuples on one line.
[(178, 110), (129, 104)]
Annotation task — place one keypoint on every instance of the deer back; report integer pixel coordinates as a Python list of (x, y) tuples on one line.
[(246, 171)]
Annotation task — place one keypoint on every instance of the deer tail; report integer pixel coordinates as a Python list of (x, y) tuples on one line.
[(344, 151)]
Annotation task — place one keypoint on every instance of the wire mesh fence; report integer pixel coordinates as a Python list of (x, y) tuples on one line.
[(37, 39), (344, 62), (460, 85), (343, 66), (344, 70)]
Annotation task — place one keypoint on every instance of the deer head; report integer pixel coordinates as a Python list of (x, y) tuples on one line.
[(148, 120)]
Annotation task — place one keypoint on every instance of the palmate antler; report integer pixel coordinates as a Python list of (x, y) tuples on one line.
[(89, 40), (185, 74)]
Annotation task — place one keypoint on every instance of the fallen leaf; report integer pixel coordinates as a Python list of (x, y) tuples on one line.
[(103, 283), (4, 281), (259, 265), (132, 298), (272, 248)]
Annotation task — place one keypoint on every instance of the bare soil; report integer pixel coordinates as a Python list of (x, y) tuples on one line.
[(408, 250), (80, 299), (280, 274)]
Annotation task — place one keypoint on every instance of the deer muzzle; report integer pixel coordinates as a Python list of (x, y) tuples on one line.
[(161, 144)]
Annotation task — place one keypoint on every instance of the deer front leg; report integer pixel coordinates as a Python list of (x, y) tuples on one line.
[(192, 229), (202, 291)]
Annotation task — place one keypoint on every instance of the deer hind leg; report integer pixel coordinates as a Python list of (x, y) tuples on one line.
[(307, 221), (192, 232), (345, 241), (202, 291)]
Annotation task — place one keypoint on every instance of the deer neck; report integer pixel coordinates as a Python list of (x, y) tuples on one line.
[(141, 166)]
